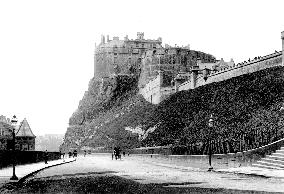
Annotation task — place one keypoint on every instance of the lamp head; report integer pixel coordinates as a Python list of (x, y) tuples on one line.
[(211, 121), (14, 120)]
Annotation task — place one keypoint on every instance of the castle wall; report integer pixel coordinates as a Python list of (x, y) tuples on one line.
[(170, 61), (151, 91), (265, 62), (154, 92)]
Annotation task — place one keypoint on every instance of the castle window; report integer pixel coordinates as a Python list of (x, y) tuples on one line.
[(142, 45)]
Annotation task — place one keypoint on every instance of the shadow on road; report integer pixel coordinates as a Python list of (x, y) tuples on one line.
[(103, 182)]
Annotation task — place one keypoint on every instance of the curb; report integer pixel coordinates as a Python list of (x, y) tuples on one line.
[(21, 180)]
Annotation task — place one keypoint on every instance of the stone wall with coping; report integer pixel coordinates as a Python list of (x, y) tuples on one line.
[(25, 157), (219, 161), (265, 62)]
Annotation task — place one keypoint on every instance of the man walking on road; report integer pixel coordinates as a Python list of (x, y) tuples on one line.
[(45, 157)]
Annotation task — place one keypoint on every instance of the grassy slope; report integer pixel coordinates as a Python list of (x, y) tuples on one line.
[(246, 112)]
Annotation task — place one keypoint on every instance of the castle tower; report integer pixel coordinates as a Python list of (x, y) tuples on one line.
[(282, 37), (193, 76)]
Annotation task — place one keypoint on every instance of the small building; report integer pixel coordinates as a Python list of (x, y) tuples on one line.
[(25, 139)]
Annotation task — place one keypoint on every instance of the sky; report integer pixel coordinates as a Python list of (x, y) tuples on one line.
[(47, 47)]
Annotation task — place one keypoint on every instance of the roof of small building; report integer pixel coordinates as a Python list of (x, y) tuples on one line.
[(25, 130)]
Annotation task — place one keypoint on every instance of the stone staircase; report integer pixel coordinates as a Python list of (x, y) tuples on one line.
[(273, 161)]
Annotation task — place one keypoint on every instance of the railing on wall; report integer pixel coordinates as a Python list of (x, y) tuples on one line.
[(237, 159), (269, 63)]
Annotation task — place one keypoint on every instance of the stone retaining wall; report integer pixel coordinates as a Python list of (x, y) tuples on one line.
[(25, 157), (219, 161)]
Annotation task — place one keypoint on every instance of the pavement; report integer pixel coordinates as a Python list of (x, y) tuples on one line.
[(245, 170), (145, 171), (255, 171), (23, 171), (150, 171)]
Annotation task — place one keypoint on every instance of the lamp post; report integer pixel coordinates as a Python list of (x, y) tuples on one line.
[(14, 121), (281, 111), (211, 125)]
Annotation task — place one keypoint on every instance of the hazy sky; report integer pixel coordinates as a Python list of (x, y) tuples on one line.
[(47, 47)]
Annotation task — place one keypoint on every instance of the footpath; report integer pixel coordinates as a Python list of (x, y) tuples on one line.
[(246, 170), (23, 171)]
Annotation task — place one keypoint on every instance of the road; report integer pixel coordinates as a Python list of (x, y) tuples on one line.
[(149, 172)]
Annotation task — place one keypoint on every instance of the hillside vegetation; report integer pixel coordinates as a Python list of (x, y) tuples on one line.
[(245, 109)]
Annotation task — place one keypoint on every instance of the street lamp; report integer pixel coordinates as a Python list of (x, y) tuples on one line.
[(281, 111), (14, 121), (211, 125)]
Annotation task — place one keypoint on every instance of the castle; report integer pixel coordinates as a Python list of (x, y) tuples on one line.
[(165, 70)]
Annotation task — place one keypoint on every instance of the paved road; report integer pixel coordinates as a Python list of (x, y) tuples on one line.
[(152, 172)]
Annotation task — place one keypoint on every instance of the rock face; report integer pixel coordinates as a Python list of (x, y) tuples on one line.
[(107, 108)]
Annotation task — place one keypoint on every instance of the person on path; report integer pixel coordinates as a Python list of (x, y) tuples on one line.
[(74, 153), (45, 157)]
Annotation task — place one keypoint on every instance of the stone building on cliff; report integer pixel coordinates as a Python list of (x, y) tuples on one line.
[(117, 56), (146, 59)]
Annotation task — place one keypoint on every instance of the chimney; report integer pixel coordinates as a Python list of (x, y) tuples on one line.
[(102, 39), (126, 38)]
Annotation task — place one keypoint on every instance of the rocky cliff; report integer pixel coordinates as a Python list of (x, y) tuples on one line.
[(107, 108)]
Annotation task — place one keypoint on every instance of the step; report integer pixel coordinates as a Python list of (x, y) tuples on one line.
[(271, 160), (266, 166), (278, 154), (280, 151), (270, 164), (275, 157)]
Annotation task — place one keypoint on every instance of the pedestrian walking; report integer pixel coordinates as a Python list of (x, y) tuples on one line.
[(45, 157), (85, 152), (74, 153)]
